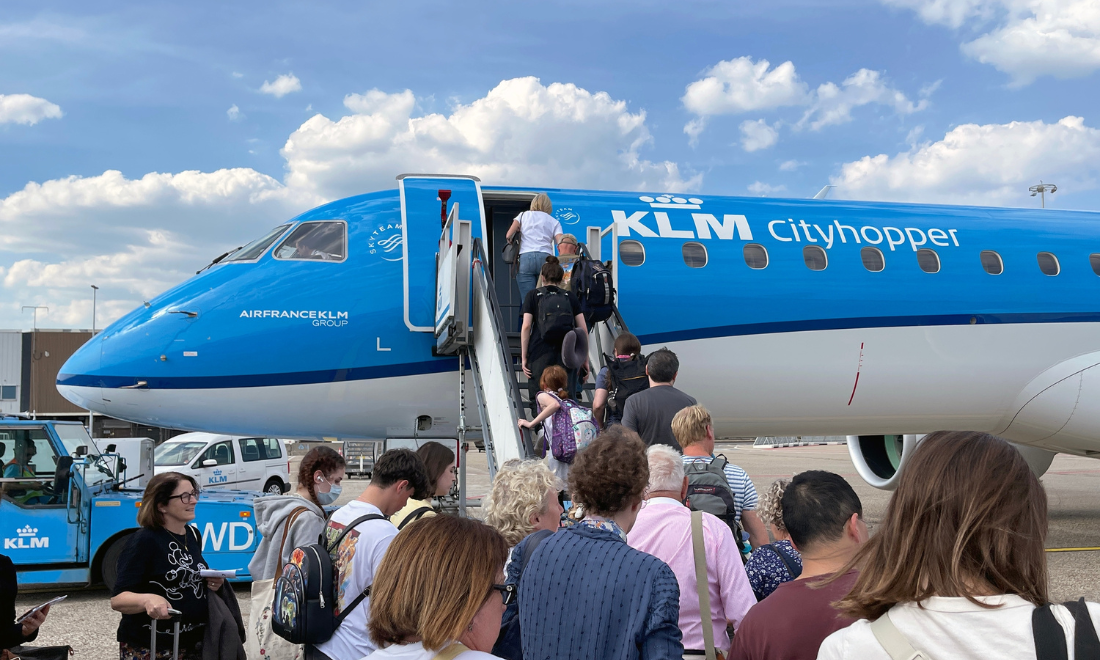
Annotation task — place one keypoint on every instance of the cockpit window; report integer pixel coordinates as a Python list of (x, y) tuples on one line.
[(324, 240), (257, 247)]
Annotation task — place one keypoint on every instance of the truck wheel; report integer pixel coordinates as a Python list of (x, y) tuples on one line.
[(108, 568), (274, 486)]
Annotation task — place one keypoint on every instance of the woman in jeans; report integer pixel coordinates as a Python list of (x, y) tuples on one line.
[(539, 233)]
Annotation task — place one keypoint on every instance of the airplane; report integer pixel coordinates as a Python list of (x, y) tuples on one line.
[(877, 321)]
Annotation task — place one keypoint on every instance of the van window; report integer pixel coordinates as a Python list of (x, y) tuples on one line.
[(695, 254), (815, 257), (323, 240), (257, 247), (1048, 263), (631, 253), (991, 262), (222, 452), (251, 449), (756, 256), (928, 260), (271, 448), (872, 259), (176, 453)]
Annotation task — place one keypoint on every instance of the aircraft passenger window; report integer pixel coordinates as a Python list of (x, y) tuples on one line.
[(1094, 261), (1048, 263), (632, 253), (695, 255), (815, 257), (928, 260), (991, 262), (756, 256), (319, 241), (872, 259), (257, 247)]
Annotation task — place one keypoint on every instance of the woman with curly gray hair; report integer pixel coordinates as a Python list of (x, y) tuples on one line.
[(775, 563)]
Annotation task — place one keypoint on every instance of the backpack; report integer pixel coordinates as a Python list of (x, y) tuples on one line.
[(553, 314), (624, 379), (594, 286), (306, 591), (709, 491), (573, 428), (508, 644)]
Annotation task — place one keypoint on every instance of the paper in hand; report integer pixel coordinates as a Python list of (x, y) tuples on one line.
[(32, 611), (210, 573)]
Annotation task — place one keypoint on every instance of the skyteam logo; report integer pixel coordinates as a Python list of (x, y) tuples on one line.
[(386, 242), (567, 216), (704, 225), (26, 539)]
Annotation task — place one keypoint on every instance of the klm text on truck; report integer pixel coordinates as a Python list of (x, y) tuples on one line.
[(66, 512)]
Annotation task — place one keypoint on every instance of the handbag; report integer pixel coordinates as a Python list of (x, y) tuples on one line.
[(263, 642), (510, 253)]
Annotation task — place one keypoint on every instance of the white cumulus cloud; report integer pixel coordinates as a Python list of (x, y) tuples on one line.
[(833, 103), (763, 189), (1024, 38), (790, 165), (26, 109), (521, 132), (234, 113), (283, 85), (991, 164), (756, 135)]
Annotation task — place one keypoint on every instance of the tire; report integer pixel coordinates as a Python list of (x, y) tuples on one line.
[(274, 486), (108, 567)]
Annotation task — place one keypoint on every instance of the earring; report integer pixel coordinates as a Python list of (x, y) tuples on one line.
[(470, 628)]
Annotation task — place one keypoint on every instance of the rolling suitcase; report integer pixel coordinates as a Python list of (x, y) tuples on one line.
[(175, 637)]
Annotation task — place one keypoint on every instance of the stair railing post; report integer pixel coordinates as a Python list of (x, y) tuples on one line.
[(462, 352)]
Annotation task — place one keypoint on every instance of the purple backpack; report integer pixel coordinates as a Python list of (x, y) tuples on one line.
[(572, 429)]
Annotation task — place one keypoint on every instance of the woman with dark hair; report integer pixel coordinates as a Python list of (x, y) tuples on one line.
[(159, 570), (440, 464), (957, 567), (439, 592), (558, 312), (622, 377), (586, 594), (286, 522)]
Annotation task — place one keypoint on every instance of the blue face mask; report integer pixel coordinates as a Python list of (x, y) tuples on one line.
[(331, 496)]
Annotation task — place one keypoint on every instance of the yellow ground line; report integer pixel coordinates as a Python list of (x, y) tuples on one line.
[(1072, 549)]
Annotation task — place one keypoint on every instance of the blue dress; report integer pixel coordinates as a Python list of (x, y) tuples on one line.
[(767, 571)]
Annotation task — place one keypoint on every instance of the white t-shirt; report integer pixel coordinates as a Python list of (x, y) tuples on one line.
[(537, 231), (953, 629), (356, 560), (416, 651)]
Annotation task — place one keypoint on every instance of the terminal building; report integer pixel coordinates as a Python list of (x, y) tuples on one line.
[(29, 363)]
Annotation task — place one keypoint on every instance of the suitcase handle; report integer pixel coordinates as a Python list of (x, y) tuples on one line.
[(175, 636)]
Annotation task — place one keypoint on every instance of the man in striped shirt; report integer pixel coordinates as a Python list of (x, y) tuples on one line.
[(695, 433)]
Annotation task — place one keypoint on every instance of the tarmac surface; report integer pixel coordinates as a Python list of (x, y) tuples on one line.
[(86, 622)]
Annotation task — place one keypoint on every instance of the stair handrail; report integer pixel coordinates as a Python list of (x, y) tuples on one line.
[(478, 257)]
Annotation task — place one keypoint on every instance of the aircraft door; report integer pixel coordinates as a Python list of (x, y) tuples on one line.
[(422, 200)]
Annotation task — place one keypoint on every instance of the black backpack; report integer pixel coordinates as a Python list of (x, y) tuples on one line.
[(1050, 638), (306, 591), (554, 314), (624, 378), (594, 286), (709, 491), (508, 644)]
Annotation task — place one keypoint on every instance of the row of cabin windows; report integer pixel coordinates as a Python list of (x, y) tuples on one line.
[(632, 253)]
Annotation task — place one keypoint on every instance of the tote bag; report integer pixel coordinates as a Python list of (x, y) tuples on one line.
[(262, 642)]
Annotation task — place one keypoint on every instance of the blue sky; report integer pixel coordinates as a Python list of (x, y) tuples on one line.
[(125, 167)]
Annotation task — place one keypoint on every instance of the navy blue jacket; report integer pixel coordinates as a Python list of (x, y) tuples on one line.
[(587, 595)]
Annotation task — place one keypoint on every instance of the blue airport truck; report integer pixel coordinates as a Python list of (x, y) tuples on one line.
[(66, 513)]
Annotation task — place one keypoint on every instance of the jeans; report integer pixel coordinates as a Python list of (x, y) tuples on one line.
[(530, 266)]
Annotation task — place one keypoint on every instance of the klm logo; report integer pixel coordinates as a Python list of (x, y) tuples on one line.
[(703, 225), (26, 539)]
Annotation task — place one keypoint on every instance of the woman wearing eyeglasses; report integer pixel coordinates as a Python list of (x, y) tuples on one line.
[(159, 570), (439, 592)]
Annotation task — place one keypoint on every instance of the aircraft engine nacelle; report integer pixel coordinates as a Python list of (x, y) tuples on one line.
[(879, 459)]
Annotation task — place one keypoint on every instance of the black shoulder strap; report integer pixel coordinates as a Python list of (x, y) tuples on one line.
[(416, 514), (361, 519), (533, 542), (1086, 644), (1050, 639), (792, 568)]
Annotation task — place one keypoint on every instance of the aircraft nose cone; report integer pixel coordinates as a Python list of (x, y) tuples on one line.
[(79, 378)]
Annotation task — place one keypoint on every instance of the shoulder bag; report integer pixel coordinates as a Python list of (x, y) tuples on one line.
[(263, 642)]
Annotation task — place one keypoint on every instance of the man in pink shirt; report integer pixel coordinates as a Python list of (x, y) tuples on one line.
[(663, 529)]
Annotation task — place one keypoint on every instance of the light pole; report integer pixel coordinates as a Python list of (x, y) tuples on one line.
[(1042, 189), (34, 336), (94, 290)]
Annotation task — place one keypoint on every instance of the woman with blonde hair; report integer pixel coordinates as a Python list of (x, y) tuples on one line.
[(957, 568), (772, 564), (438, 592), (539, 233), (523, 500)]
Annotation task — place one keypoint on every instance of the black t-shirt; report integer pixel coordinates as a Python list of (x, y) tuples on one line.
[(11, 633), (536, 347), (156, 561)]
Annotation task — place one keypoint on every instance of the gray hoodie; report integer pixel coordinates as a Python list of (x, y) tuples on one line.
[(271, 516)]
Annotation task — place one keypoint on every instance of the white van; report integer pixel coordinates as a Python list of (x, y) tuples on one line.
[(227, 461)]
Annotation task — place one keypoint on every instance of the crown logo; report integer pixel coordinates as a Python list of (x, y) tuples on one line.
[(671, 202), (27, 531)]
